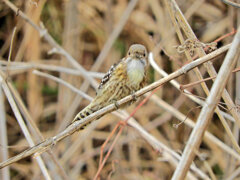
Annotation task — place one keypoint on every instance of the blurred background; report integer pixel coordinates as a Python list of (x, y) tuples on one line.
[(97, 34)]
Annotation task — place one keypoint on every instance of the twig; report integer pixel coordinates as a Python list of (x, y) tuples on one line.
[(231, 3), (109, 151), (78, 124), (165, 106), (30, 65), (225, 35), (10, 50), (3, 138), (115, 33), (186, 92), (63, 82), (234, 174), (185, 86), (160, 147), (5, 172), (119, 133), (208, 109)]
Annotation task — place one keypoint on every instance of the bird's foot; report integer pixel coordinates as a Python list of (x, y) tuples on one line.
[(116, 104), (134, 97)]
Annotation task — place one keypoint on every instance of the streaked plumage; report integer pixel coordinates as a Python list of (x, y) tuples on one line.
[(123, 78)]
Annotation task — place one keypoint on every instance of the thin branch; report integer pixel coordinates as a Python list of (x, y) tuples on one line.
[(181, 117), (10, 49), (3, 137), (236, 5), (185, 86), (13, 66), (186, 92), (234, 174), (64, 83), (116, 31)]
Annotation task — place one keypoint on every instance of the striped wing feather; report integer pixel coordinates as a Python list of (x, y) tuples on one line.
[(108, 75)]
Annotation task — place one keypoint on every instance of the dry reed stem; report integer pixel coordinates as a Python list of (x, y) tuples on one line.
[(82, 94), (208, 109), (182, 117), (24, 66), (113, 36), (3, 79), (22, 124), (185, 86), (180, 21), (10, 49), (236, 5), (75, 126), (234, 174), (34, 129), (4, 173), (123, 124), (186, 92)]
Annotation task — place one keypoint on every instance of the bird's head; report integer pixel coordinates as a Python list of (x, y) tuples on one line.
[(137, 51)]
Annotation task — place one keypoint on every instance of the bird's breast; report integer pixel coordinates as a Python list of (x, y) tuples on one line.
[(135, 72)]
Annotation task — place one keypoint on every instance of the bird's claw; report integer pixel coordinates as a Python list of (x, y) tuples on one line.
[(116, 104), (134, 97)]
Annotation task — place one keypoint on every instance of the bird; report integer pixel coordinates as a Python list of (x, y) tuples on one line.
[(122, 79)]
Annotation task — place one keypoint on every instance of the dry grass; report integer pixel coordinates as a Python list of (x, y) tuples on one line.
[(83, 39)]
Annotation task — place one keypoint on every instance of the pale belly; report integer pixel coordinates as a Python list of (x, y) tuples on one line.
[(135, 77), (135, 73)]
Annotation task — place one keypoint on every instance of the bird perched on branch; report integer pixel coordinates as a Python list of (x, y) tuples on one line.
[(123, 79)]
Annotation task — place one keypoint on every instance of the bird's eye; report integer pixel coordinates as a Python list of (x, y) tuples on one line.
[(129, 53), (144, 54)]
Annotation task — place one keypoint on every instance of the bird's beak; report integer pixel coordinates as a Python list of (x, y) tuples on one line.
[(139, 56)]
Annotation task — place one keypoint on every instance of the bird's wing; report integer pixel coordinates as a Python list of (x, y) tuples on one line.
[(108, 75)]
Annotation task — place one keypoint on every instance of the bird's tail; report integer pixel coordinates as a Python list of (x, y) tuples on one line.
[(91, 108)]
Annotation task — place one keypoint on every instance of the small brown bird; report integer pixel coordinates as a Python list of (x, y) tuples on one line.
[(123, 79)]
